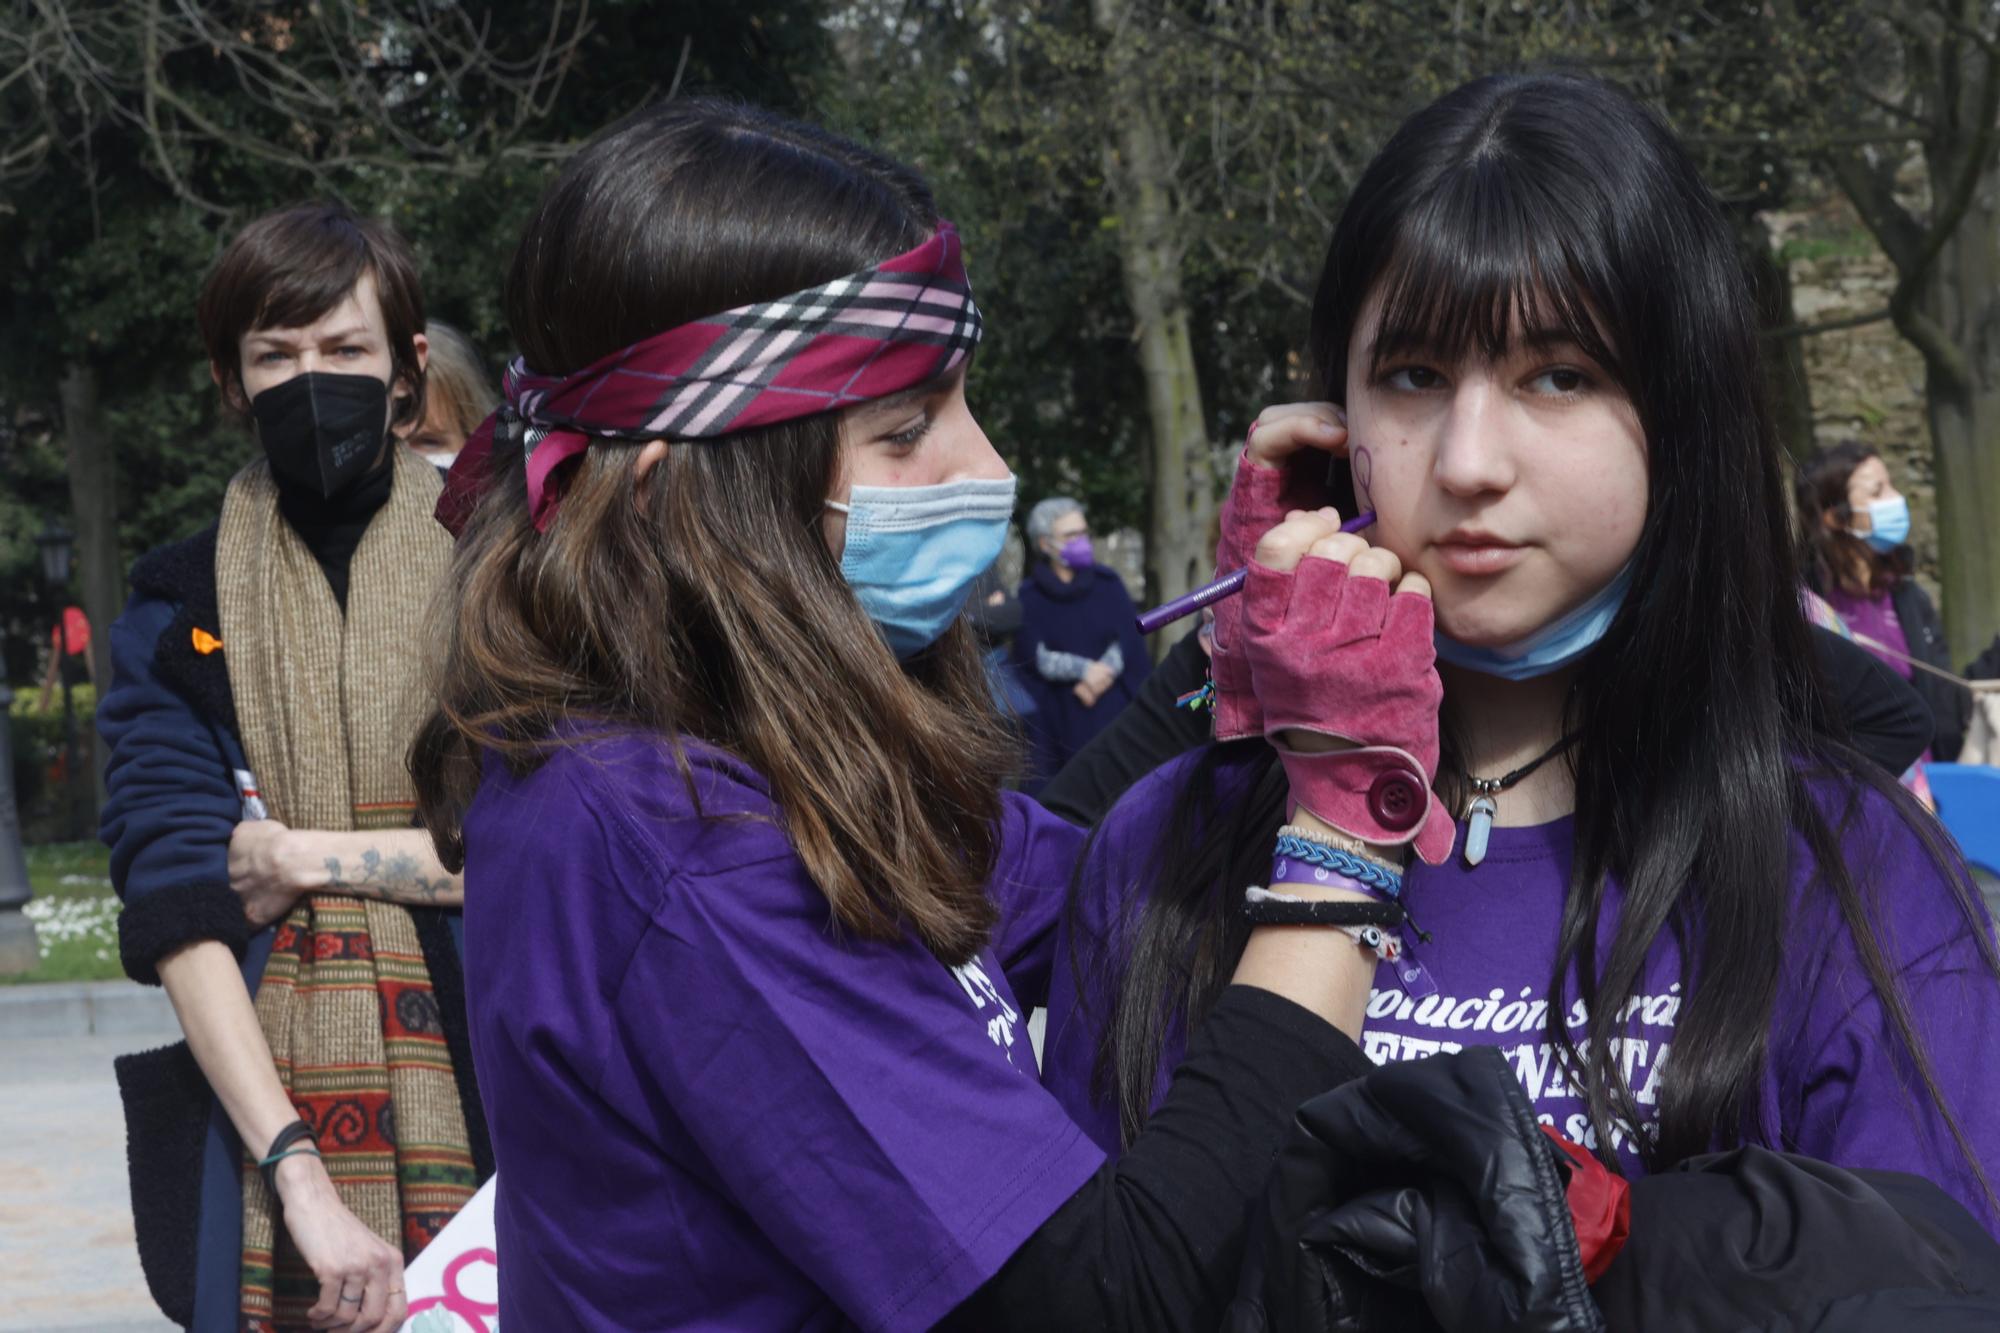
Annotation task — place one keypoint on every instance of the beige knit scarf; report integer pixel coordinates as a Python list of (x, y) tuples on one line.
[(326, 705)]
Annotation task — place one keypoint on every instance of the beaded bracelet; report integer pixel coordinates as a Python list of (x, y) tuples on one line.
[(1367, 873), (1385, 946), (1371, 925)]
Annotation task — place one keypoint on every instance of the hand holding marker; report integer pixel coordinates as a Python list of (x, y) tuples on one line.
[(1226, 586), (1326, 421)]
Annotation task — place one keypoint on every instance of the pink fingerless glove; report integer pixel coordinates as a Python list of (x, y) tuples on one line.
[(1258, 501), (1337, 654)]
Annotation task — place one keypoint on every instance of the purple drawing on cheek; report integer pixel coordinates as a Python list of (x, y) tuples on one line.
[(1364, 471)]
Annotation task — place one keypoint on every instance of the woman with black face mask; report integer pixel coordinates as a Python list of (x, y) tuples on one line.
[(260, 817)]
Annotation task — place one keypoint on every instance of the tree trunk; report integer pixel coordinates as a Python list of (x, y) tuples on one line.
[(1965, 442), (1181, 481), (1784, 358), (93, 502), (1963, 403)]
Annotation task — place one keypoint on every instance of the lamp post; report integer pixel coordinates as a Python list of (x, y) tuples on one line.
[(58, 544), (19, 950)]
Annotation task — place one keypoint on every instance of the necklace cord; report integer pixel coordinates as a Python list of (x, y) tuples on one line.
[(1488, 786)]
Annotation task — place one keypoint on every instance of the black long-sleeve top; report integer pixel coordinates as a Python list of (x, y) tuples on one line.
[(1153, 1241)]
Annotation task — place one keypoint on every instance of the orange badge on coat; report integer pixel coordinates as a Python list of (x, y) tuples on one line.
[(204, 642)]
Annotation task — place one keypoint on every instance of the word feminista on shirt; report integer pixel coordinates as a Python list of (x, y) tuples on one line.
[(1401, 1026)]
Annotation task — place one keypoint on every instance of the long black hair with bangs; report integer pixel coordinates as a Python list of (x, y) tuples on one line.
[(1557, 202)]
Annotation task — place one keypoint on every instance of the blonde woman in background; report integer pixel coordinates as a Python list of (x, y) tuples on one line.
[(459, 396)]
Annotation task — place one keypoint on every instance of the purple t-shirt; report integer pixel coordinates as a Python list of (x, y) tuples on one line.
[(710, 1108), (1832, 1088), (1875, 616)]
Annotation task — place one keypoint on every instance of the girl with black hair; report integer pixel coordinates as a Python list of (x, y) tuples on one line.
[(1687, 917)]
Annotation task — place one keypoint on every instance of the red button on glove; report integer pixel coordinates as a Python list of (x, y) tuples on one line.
[(1335, 653), (1258, 501)]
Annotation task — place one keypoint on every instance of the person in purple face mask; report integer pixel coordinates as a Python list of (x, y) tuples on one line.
[(1078, 650), (753, 930), (1631, 857)]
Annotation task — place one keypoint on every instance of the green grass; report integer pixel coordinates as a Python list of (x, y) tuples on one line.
[(1836, 245), (75, 913)]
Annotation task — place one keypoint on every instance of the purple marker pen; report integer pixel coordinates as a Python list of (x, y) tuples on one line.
[(1226, 586)]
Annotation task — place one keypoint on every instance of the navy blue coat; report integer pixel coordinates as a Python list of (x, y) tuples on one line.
[(1084, 616), (168, 725)]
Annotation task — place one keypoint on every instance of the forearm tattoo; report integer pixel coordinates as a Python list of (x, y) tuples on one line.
[(395, 877)]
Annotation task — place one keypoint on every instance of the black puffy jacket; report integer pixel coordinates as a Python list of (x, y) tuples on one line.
[(1425, 1197)]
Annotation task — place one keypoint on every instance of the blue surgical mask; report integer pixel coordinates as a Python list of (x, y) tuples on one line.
[(1549, 648), (1888, 523), (913, 553)]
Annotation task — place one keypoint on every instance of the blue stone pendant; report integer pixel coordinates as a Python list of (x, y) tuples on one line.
[(1479, 825)]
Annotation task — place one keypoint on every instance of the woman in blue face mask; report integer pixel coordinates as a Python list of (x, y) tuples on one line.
[(1856, 530), (754, 930)]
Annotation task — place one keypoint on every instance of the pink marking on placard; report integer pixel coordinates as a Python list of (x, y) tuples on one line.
[(474, 1313)]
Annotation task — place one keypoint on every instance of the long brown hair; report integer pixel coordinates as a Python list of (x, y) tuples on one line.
[(1834, 557), (709, 607)]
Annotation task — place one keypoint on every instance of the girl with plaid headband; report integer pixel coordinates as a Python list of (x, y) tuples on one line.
[(752, 929)]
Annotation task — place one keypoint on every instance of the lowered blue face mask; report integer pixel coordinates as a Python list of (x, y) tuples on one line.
[(1549, 648), (1888, 523), (913, 552)]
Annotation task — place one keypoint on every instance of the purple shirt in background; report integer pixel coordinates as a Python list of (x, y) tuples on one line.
[(1832, 1088), (710, 1108), (1875, 617)]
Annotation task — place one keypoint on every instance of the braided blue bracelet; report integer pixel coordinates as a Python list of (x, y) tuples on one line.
[(1369, 874)]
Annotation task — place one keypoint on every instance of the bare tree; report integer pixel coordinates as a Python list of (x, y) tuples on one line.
[(1138, 164), (1925, 74), (313, 88)]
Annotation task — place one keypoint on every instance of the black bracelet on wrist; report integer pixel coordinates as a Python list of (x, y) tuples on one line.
[(296, 1137), (1265, 911)]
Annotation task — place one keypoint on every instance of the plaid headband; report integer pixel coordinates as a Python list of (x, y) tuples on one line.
[(852, 340)]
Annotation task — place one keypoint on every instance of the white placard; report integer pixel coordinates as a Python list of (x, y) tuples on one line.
[(454, 1285)]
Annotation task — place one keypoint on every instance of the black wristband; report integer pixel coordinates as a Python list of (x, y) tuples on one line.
[(1324, 912), (287, 1137)]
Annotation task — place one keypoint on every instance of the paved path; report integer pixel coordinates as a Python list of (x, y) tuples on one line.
[(67, 1259)]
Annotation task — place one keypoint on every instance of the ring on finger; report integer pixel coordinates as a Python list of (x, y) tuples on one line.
[(346, 1299)]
